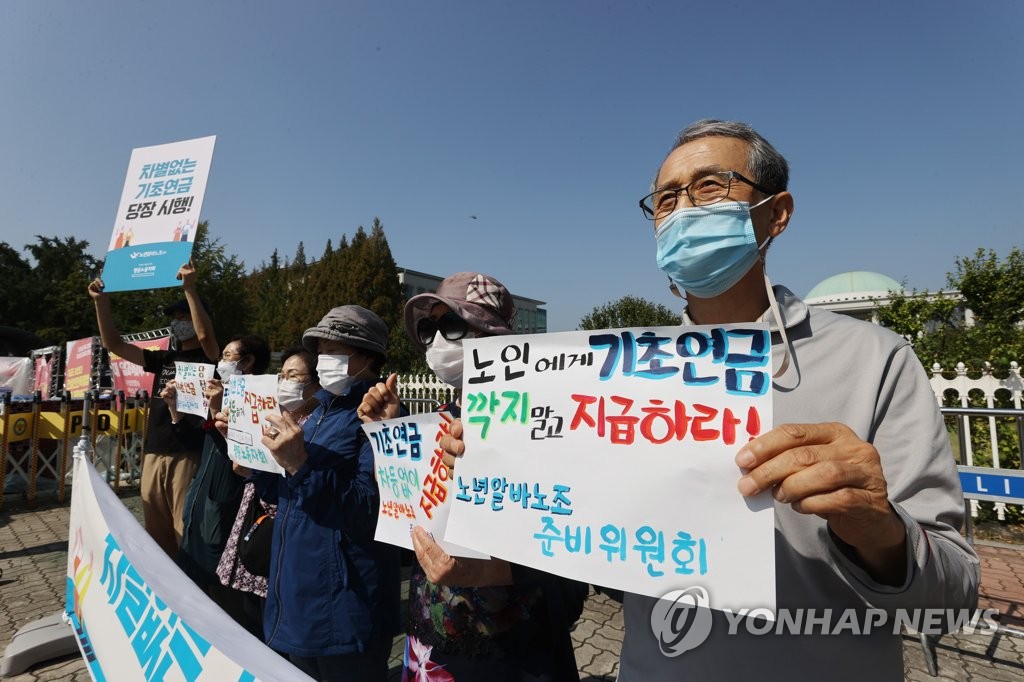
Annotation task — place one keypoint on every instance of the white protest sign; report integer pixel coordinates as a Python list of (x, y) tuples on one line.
[(415, 489), (608, 457), (190, 387), (248, 399), (158, 215)]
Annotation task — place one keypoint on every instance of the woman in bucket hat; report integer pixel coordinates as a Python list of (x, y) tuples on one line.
[(504, 622), (333, 598)]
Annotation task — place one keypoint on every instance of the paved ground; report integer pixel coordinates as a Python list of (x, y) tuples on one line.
[(33, 558)]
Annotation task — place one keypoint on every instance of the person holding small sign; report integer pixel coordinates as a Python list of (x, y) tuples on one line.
[(504, 622), (333, 597), (215, 494), (245, 563), (866, 495), (171, 451)]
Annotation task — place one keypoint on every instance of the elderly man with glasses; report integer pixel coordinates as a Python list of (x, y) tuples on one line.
[(867, 499)]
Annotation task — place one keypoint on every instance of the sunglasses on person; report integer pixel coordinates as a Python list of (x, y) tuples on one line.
[(451, 326)]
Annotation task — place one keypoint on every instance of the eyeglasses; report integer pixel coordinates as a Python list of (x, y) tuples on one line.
[(705, 190), (451, 326), (229, 356)]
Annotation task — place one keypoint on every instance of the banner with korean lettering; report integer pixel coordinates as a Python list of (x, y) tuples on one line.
[(158, 215), (45, 366), (248, 399), (190, 387), (136, 616), (413, 480), (78, 366), (131, 378), (608, 456)]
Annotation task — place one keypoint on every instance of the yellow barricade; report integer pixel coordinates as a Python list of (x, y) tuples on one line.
[(17, 427)]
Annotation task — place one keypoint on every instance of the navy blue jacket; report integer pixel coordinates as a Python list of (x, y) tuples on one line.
[(333, 589)]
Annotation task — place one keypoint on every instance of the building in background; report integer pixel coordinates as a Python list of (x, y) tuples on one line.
[(531, 317), (857, 293)]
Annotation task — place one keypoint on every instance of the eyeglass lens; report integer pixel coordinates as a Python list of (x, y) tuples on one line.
[(705, 190)]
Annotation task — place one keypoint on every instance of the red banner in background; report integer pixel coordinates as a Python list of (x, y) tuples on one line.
[(78, 367), (131, 378), (45, 366)]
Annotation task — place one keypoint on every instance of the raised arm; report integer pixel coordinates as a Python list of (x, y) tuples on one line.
[(110, 337), (200, 318)]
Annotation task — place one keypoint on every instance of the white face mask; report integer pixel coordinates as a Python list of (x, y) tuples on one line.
[(183, 330), (444, 358), (290, 394), (333, 372), (227, 369)]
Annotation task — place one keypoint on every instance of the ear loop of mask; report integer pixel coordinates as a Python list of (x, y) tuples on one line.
[(780, 323), (772, 303)]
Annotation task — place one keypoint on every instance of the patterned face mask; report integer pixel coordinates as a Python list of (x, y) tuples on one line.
[(183, 330)]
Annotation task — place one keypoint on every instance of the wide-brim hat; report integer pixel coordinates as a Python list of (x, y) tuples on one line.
[(482, 301), (351, 324)]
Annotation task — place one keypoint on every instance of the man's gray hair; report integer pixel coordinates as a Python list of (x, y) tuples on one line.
[(769, 167)]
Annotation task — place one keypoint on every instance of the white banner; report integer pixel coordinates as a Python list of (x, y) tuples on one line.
[(608, 457), (413, 481), (190, 387), (16, 375), (136, 615), (248, 399)]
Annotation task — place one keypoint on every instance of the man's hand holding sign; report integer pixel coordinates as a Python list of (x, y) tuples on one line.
[(825, 469)]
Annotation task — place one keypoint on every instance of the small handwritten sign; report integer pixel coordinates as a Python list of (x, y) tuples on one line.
[(415, 486), (248, 399), (190, 381)]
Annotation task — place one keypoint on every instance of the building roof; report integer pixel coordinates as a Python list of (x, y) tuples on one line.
[(857, 285)]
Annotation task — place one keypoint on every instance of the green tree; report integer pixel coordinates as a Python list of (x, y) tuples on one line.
[(372, 282), (60, 307), (993, 290), (267, 297), (16, 303), (629, 311)]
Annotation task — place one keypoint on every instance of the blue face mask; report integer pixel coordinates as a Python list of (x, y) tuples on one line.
[(706, 250)]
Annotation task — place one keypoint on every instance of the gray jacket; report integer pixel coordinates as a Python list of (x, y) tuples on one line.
[(868, 378)]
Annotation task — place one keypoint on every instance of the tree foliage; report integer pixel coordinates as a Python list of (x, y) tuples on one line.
[(991, 288), (288, 299), (48, 297), (629, 311), (45, 291)]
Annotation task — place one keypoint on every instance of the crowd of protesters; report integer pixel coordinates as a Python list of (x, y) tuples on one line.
[(867, 501)]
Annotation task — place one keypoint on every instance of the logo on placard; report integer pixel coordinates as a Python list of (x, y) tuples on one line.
[(20, 426), (681, 620)]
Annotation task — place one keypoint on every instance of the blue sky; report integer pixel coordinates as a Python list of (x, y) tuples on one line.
[(902, 123)]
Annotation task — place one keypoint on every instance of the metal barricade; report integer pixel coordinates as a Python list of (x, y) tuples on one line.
[(987, 483)]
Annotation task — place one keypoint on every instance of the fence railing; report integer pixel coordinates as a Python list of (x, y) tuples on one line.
[(992, 484), (978, 439)]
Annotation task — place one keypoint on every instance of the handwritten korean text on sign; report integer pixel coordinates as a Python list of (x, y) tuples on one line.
[(608, 456)]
